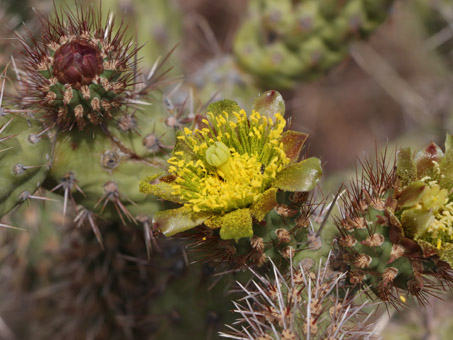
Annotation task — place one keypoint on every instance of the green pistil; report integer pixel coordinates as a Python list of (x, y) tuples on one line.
[(217, 154)]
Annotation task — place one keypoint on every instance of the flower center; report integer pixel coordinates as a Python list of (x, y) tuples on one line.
[(234, 159), (77, 63)]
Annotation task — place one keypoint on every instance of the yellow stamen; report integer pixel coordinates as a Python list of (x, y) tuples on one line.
[(236, 160)]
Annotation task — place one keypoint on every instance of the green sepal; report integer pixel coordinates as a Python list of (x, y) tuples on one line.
[(161, 189), (302, 176), (174, 221), (293, 141), (226, 105), (265, 203), (415, 222), (412, 194), (405, 168), (237, 224), (269, 103)]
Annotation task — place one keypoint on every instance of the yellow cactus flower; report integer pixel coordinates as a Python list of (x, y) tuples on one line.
[(226, 172)]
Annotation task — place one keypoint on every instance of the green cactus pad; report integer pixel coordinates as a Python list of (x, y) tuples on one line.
[(24, 160), (147, 132), (97, 173)]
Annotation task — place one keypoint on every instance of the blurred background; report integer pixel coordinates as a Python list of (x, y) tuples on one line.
[(392, 89)]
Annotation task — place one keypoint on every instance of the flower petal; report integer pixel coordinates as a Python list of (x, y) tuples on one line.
[(427, 159), (293, 142), (265, 203), (412, 194), (415, 222), (160, 188), (236, 224), (174, 221), (302, 176), (269, 103)]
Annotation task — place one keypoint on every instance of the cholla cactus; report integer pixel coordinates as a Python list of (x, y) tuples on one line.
[(300, 304), (79, 72), (397, 224), (426, 198), (82, 73), (289, 41)]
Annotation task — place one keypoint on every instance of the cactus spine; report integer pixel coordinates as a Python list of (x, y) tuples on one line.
[(303, 304)]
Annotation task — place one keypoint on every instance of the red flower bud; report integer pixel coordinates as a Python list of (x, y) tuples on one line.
[(77, 63), (64, 70)]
